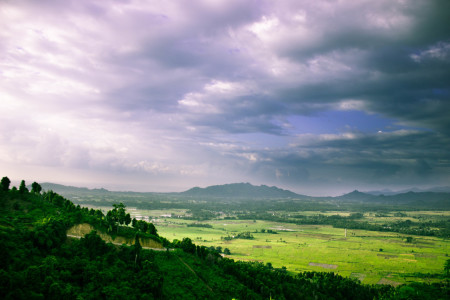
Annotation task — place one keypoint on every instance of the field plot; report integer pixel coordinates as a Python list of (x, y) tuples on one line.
[(370, 256), (423, 216)]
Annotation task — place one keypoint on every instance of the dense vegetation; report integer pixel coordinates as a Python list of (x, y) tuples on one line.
[(39, 261)]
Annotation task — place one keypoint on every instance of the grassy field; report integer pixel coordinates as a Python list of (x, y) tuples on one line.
[(414, 216), (372, 257)]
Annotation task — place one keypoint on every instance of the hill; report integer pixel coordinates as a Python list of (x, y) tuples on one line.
[(386, 192), (240, 190), (435, 200), (39, 261), (65, 189), (357, 196), (245, 191)]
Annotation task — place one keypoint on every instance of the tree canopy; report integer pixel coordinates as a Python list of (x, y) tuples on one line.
[(23, 188), (5, 182), (36, 187)]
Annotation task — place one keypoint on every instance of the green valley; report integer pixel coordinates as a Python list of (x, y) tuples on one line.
[(101, 244)]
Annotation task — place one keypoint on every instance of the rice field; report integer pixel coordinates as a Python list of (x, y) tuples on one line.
[(372, 257)]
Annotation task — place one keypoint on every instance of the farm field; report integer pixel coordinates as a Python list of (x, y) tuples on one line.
[(372, 257), (423, 216)]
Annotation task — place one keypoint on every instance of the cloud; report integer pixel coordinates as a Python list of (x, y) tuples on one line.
[(290, 92), (335, 160)]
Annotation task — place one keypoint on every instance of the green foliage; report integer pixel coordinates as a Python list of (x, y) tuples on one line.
[(187, 245), (356, 215), (23, 188), (202, 225), (117, 216), (201, 214), (244, 235), (409, 239), (38, 261), (94, 245), (400, 214), (36, 188), (50, 235), (5, 182), (447, 268)]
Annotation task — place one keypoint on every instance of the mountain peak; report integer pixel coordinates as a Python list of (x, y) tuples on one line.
[(240, 190), (356, 195)]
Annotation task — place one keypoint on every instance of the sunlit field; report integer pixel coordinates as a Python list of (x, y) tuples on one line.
[(372, 257)]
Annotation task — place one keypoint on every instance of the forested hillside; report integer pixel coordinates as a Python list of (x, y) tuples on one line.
[(39, 261)]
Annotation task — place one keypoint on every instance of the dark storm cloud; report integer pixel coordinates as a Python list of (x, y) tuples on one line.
[(332, 161), (397, 53)]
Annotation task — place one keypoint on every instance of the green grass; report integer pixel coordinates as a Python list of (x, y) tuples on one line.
[(370, 256), (357, 256)]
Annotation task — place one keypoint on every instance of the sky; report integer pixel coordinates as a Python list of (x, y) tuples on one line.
[(320, 97)]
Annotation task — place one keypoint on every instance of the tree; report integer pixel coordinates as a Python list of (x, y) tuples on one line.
[(23, 188), (36, 187), (94, 244), (187, 245), (142, 225), (137, 249), (5, 184), (152, 229), (226, 251), (110, 220), (117, 216), (121, 213), (98, 213), (127, 220), (447, 268)]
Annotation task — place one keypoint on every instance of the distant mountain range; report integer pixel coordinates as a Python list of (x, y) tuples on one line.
[(423, 199), (244, 191), (437, 189), (65, 189)]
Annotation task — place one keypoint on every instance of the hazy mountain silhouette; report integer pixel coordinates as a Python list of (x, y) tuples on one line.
[(240, 190), (59, 188), (436, 189), (249, 191)]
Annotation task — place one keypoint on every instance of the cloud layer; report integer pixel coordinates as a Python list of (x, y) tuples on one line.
[(321, 96)]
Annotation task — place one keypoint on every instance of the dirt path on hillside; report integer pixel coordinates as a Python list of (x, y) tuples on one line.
[(119, 244)]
